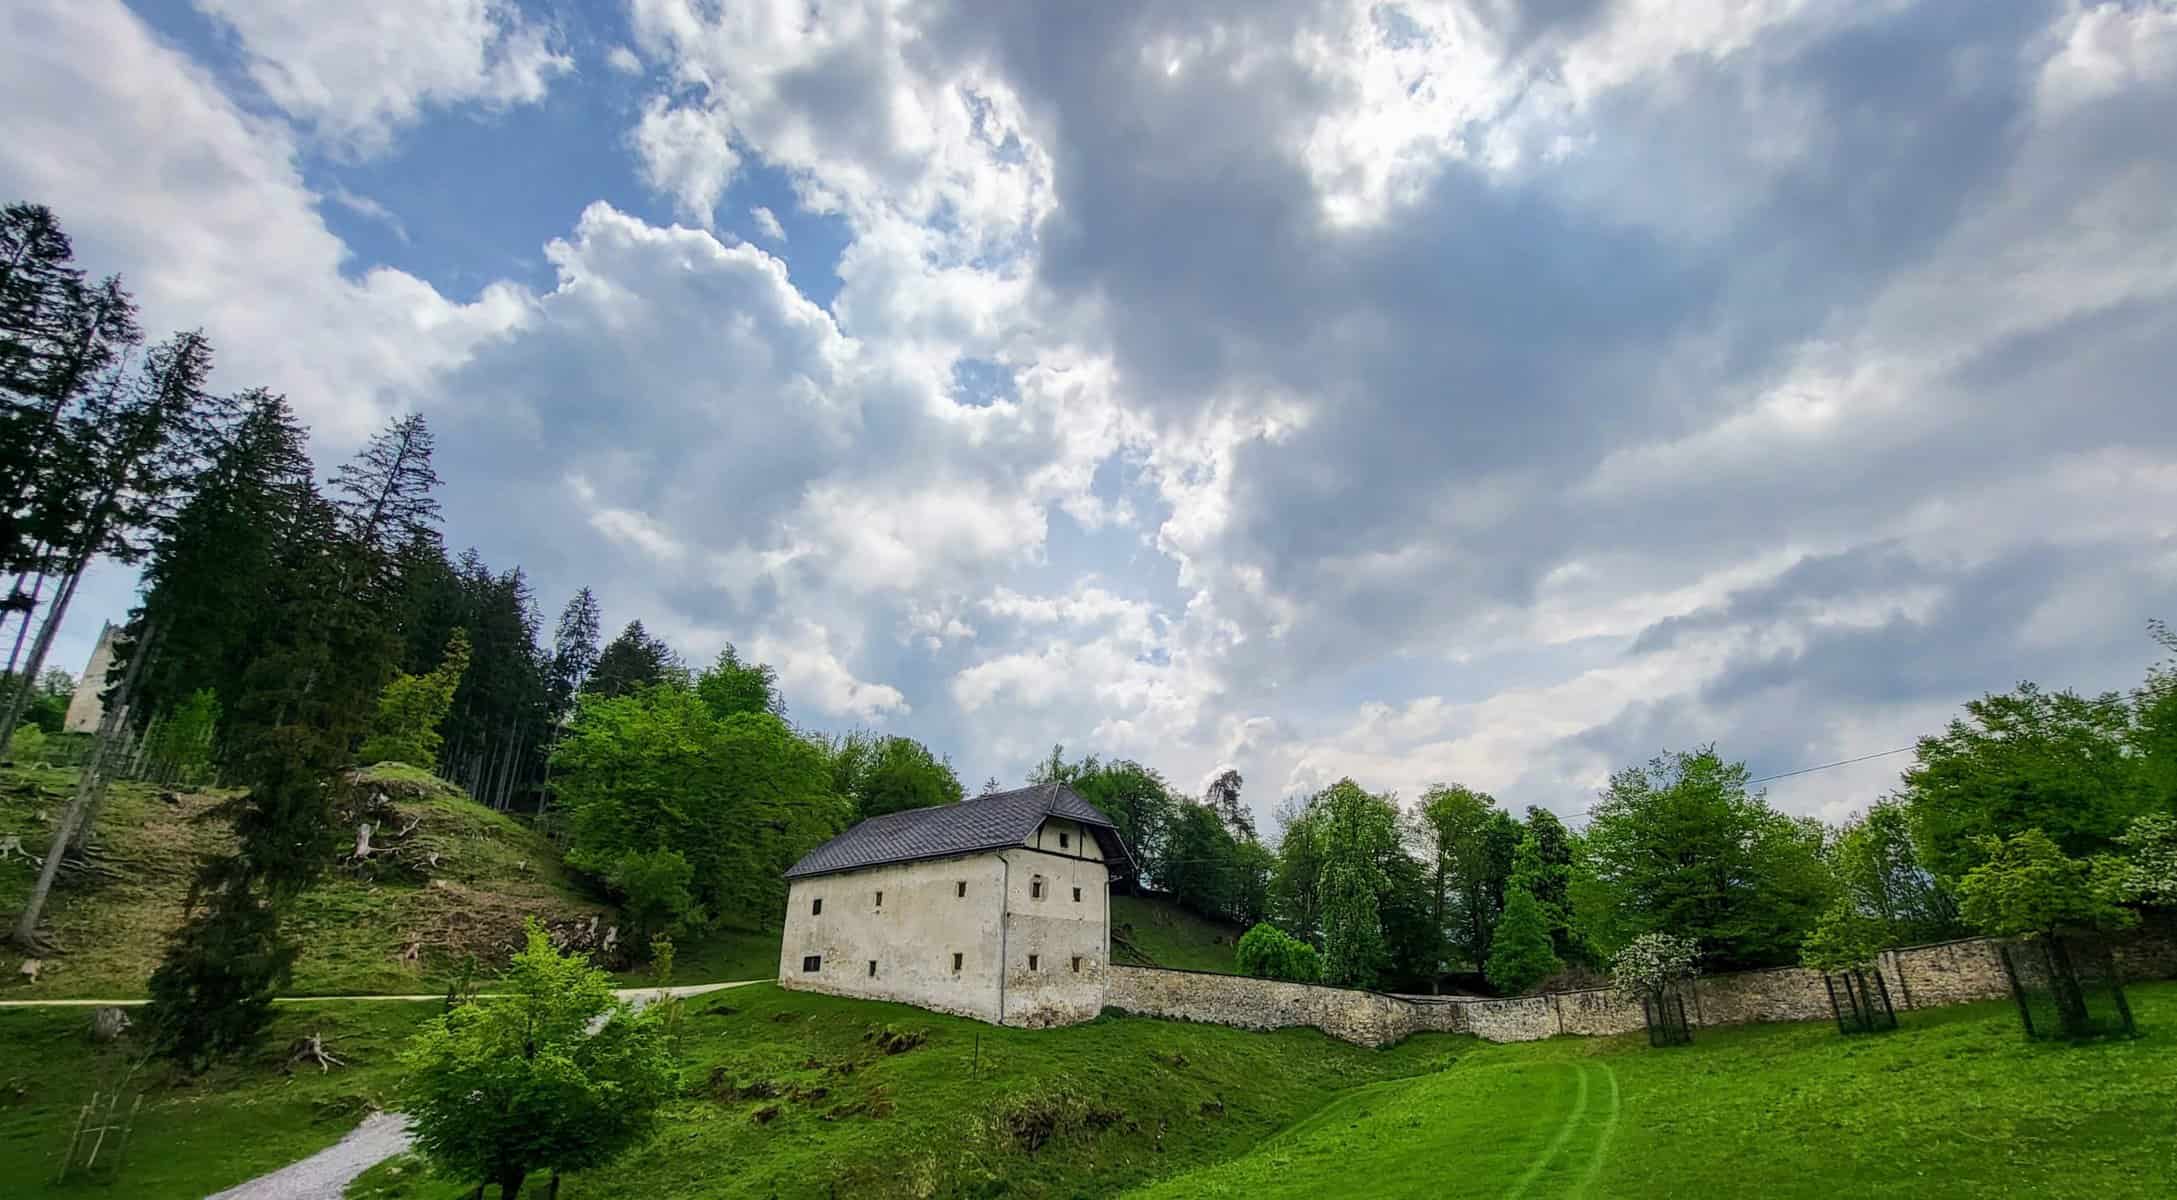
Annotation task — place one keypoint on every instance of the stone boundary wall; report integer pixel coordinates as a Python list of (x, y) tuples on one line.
[(1926, 976)]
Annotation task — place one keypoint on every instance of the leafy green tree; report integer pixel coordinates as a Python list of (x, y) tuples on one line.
[(2150, 868), (503, 1088), (1520, 953), (741, 797), (900, 774), (410, 710), (1198, 870), (1140, 804), (733, 686), (1846, 938), (1360, 841), (2027, 759), (1680, 847), (2154, 732), (1879, 875), (631, 662), (1652, 963), (180, 748), (1451, 832), (2026, 885), (1267, 952), (653, 892), (1296, 878)]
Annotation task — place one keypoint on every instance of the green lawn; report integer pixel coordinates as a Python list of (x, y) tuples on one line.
[(191, 1137), (1172, 936), (1956, 1103), (721, 955), (789, 1095)]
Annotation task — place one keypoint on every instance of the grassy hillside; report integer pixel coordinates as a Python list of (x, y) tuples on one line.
[(1171, 936), (190, 1139), (1956, 1103), (792, 1095), (464, 879)]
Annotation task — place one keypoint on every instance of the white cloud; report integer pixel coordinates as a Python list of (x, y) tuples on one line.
[(356, 74), (202, 211), (624, 60), (767, 223), (686, 154)]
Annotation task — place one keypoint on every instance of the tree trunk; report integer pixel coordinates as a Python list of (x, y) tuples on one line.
[(102, 753), (25, 683), (37, 589), (551, 1192), (510, 1184)]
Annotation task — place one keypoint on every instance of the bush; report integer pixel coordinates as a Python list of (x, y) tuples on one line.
[(1267, 952), (1650, 963), (28, 746), (654, 892)]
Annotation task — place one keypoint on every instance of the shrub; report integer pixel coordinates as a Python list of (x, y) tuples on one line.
[(654, 892), (1845, 939), (28, 746), (503, 1087), (2028, 885), (1267, 952)]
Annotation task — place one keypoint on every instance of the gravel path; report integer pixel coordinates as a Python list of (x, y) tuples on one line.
[(327, 1174)]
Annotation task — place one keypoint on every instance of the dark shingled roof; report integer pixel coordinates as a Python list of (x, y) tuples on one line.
[(992, 822)]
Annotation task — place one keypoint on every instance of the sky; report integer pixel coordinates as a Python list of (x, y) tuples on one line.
[(1495, 392)]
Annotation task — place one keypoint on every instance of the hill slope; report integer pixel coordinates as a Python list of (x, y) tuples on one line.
[(1166, 935), (460, 883)]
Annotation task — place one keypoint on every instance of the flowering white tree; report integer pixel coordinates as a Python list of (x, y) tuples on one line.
[(2151, 874), (1651, 963)]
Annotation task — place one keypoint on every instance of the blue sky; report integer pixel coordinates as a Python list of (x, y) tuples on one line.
[(1410, 391)]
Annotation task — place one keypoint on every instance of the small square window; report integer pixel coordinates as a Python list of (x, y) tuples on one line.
[(960, 888), (1077, 964), (873, 967), (1077, 895), (956, 963), (1062, 841), (812, 962), (880, 899), (1035, 889), (816, 908), (1032, 962)]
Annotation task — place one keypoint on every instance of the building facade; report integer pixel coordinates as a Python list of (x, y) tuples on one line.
[(997, 908)]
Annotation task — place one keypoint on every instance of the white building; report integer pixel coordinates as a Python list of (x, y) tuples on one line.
[(997, 908), (87, 707)]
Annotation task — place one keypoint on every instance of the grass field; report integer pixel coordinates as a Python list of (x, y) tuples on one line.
[(196, 1137), (790, 1095), (1172, 936), (1954, 1104)]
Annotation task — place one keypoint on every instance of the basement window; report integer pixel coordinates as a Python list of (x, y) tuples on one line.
[(1077, 964), (956, 963), (1032, 960), (1077, 895), (812, 963), (873, 968), (960, 888), (816, 907)]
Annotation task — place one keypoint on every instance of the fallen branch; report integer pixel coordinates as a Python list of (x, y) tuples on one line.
[(313, 1049)]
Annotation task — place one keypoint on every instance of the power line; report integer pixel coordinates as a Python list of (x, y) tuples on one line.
[(1842, 762)]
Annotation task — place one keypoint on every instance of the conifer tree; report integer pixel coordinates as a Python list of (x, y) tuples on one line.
[(574, 649), (630, 662), (1520, 954), (410, 710)]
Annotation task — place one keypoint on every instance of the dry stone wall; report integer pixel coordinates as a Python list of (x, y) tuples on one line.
[(1916, 977)]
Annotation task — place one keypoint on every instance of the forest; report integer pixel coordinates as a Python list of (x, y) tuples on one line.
[(291, 627)]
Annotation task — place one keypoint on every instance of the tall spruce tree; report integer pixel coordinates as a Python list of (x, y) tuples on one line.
[(574, 650), (630, 662)]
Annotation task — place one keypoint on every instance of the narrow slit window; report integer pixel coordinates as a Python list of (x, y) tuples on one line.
[(812, 962), (1032, 960), (1077, 895), (873, 967), (816, 907), (1035, 889), (956, 962), (960, 888), (880, 899), (1077, 964)]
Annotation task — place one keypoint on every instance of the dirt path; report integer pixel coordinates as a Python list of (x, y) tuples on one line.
[(327, 1174), (638, 996)]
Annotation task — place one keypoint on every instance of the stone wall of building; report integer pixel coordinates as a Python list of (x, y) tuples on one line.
[(1365, 1018), (1915, 976)]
